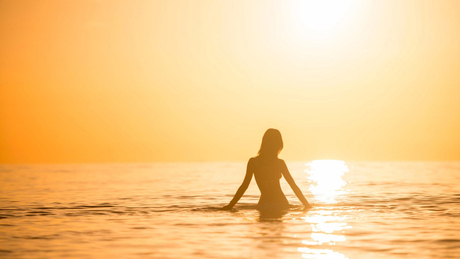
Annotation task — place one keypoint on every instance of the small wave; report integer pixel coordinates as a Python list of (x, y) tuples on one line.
[(211, 208), (140, 228), (447, 240), (89, 207), (45, 237)]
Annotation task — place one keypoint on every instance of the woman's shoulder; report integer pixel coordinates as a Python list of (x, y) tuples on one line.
[(257, 159), (281, 161), (253, 160), (253, 163), (280, 164)]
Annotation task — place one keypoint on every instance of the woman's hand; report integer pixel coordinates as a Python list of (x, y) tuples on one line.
[(307, 206), (228, 207)]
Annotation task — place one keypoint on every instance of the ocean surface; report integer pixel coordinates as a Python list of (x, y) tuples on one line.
[(361, 210)]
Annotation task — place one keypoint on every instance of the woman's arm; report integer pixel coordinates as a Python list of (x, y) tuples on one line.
[(293, 185), (243, 187)]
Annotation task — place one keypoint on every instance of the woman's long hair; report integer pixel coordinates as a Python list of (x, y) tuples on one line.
[(272, 144)]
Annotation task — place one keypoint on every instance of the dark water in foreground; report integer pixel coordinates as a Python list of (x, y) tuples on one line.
[(362, 210)]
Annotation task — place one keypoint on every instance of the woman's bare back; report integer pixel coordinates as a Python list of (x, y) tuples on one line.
[(268, 173)]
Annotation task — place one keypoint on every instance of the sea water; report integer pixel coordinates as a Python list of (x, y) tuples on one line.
[(361, 210)]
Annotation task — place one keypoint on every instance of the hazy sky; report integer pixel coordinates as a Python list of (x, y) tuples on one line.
[(141, 81)]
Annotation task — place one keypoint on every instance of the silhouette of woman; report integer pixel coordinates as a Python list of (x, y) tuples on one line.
[(267, 169)]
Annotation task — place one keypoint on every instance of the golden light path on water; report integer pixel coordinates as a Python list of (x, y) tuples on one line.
[(326, 184)]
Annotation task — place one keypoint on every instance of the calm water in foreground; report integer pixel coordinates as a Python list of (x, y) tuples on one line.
[(362, 210)]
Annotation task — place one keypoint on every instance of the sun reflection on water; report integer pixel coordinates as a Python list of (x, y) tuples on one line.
[(320, 253), (326, 229), (326, 179), (327, 224)]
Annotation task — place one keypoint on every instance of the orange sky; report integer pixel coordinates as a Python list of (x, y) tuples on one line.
[(142, 81)]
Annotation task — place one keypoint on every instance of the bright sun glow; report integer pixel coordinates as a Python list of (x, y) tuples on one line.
[(321, 16), (322, 21)]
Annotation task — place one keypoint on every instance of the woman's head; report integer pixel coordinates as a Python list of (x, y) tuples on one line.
[(272, 143)]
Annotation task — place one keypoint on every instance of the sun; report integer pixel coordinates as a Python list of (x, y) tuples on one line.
[(321, 16)]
